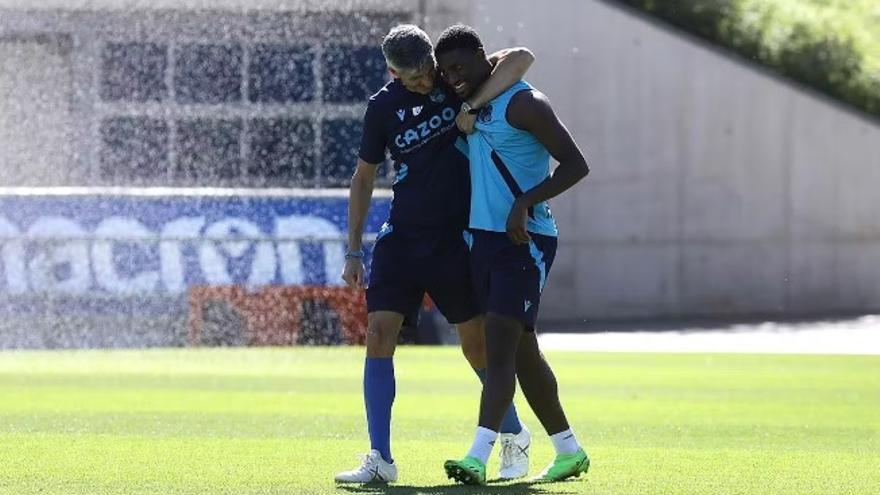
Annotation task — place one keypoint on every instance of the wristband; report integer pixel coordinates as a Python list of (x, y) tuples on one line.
[(354, 255)]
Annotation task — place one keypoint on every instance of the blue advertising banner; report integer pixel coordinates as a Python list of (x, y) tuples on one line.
[(161, 242)]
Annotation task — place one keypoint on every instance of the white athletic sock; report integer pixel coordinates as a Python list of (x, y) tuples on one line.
[(483, 443), (565, 443)]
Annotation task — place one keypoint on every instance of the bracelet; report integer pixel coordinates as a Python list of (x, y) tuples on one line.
[(354, 255)]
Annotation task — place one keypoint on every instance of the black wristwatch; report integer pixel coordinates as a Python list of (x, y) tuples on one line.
[(466, 107)]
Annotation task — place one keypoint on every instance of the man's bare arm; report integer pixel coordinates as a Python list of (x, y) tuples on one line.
[(509, 66), (531, 111), (360, 196)]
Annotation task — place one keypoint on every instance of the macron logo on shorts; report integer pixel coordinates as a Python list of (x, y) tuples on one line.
[(526, 306)]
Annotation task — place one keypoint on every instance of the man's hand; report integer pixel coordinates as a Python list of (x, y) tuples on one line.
[(353, 273), (465, 122), (516, 223)]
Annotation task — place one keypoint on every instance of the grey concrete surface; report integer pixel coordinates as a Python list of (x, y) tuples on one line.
[(845, 336)]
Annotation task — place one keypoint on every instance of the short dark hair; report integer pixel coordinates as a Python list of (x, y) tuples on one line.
[(458, 36)]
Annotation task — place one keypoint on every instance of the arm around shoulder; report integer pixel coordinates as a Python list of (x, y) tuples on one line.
[(509, 66)]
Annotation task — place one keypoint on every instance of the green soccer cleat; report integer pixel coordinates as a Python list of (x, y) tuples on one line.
[(469, 471), (565, 466)]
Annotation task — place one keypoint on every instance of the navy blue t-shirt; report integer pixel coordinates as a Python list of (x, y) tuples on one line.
[(432, 183)]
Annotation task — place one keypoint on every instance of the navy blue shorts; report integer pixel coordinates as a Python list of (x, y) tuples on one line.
[(407, 265), (509, 278)]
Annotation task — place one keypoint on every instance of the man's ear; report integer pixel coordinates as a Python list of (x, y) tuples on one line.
[(393, 73)]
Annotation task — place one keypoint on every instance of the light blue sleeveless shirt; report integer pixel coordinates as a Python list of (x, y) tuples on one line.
[(505, 162)]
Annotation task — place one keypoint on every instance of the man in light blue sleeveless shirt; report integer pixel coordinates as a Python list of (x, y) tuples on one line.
[(512, 245), (505, 162)]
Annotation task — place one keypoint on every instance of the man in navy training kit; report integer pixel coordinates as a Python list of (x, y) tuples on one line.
[(421, 247), (512, 248)]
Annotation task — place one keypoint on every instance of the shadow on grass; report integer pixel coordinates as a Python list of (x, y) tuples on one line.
[(506, 489)]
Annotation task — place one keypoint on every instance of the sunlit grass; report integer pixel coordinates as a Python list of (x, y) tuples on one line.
[(277, 421)]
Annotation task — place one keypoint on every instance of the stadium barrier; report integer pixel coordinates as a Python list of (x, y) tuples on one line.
[(114, 267), (234, 315), (283, 316)]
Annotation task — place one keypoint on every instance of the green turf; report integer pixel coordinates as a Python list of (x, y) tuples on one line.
[(285, 420)]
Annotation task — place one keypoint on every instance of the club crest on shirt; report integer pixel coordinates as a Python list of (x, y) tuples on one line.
[(417, 110), (485, 115), (437, 96)]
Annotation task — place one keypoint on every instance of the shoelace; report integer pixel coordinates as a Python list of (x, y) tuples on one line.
[(367, 461), (508, 452)]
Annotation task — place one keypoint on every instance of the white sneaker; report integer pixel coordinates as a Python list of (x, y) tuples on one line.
[(373, 469), (515, 454)]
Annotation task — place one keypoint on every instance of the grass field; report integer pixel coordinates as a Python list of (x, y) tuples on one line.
[(257, 421)]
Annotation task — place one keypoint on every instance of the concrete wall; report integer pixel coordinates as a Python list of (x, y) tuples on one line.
[(717, 189), (35, 121)]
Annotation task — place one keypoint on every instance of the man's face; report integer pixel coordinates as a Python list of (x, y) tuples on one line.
[(421, 82), (463, 69)]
